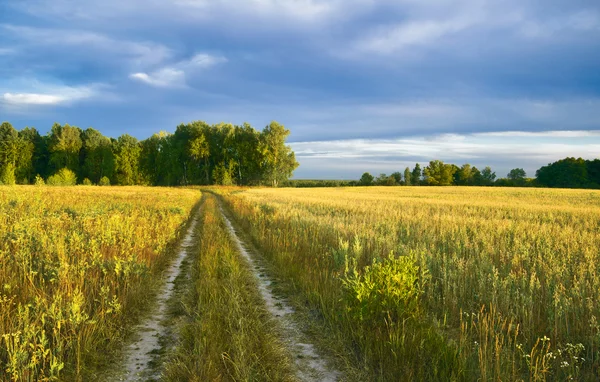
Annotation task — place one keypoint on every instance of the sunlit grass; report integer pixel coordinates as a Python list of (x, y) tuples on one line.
[(509, 279), (73, 265)]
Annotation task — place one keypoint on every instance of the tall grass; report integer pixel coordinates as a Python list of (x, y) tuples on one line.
[(75, 265), (491, 284), (229, 335)]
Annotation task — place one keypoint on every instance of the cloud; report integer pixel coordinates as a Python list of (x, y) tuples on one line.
[(49, 95), (138, 53), (349, 158), (174, 76)]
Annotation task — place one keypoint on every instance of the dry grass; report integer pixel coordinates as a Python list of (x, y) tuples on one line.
[(74, 268), (508, 278), (229, 335)]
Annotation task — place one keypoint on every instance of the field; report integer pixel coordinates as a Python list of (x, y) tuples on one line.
[(387, 283), (443, 283), (74, 269)]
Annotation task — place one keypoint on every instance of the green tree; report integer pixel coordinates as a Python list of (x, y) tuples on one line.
[(278, 160), (397, 176), (566, 173), (407, 177), (366, 179), (64, 146), (464, 176), (35, 154), (439, 174), (488, 176), (10, 153), (127, 156), (415, 177), (98, 158), (517, 176)]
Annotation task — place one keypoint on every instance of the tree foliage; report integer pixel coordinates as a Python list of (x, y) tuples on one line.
[(196, 153)]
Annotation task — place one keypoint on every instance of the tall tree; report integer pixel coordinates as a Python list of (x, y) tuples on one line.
[(439, 174), (568, 172), (517, 176), (38, 147), (64, 145), (98, 159), (488, 176), (127, 157), (415, 177), (407, 176), (10, 152), (278, 159)]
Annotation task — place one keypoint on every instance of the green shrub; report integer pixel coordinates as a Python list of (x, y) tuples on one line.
[(87, 182), (39, 181), (7, 176), (64, 177), (104, 181)]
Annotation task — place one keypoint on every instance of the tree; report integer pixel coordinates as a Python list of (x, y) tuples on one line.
[(366, 179), (488, 176), (439, 174), (10, 152), (407, 176), (278, 160), (35, 154), (415, 177), (127, 156), (64, 145), (384, 180), (98, 159), (464, 175), (568, 173), (517, 176), (397, 176)]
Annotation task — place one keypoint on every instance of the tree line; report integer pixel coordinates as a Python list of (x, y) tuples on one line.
[(564, 173), (196, 153)]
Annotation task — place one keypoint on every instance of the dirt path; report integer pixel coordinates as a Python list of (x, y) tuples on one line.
[(311, 365), (142, 353)]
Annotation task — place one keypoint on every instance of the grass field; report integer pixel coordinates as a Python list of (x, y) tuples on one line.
[(443, 283), (394, 283), (75, 266)]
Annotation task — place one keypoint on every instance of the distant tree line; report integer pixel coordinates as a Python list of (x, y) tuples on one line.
[(196, 153), (565, 173)]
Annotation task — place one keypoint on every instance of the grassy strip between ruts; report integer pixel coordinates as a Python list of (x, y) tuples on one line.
[(229, 335)]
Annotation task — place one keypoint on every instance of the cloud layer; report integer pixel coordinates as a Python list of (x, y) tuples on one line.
[(376, 72)]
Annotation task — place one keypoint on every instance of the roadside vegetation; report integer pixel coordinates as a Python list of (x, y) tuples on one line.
[(442, 283), (229, 335), (76, 266)]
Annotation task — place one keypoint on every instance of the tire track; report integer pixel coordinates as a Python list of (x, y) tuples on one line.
[(311, 365), (142, 353)]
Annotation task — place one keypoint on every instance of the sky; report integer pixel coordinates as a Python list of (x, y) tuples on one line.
[(363, 85)]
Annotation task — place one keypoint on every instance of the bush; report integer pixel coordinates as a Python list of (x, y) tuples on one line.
[(87, 182), (104, 181), (7, 176), (39, 181), (64, 177)]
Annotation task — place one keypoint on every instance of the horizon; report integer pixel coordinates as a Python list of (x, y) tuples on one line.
[(363, 86)]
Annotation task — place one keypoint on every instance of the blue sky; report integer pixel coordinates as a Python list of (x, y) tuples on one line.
[(363, 85)]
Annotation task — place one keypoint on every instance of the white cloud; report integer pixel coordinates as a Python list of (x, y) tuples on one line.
[(501, 150), (388, 40), (49, 95), (166, 77), (175, 75), (138, 53)]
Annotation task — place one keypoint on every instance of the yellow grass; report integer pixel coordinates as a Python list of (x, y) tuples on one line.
[(510, 278), (73, 263)]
